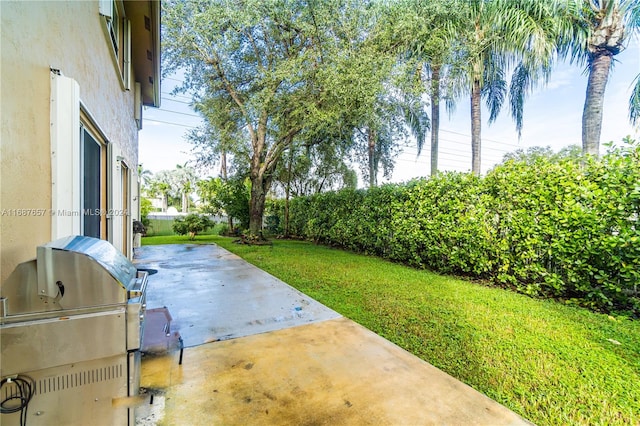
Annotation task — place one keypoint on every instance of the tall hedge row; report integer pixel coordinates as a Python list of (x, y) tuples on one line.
[(560, 228)]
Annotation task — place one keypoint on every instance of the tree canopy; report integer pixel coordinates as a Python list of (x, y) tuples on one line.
[(291, 85)]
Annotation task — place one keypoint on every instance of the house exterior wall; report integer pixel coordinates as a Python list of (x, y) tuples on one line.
[(36, 36)]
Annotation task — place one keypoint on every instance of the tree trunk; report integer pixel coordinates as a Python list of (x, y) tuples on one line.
[(288, 193), (223, 164), (599, 66), (165, 202), (259, 186), (372, 152), (223, 172), (435, 117), (475, 127), (185, 202)]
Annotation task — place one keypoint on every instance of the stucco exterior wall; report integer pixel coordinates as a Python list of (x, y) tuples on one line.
[(37, 36)]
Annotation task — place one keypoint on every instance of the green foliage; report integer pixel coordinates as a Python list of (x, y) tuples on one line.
[(210, 191), (266, 72), (145, 209), (274, 211), (546, 225), (310, 167), (191, 225), (226, 196), (234, 197)]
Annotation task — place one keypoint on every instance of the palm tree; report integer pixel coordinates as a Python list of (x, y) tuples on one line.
[(443, 78), (596, 31), (426, 33), (184, 178), (162, 184), (144, 175), (394, 116), (498, 34)]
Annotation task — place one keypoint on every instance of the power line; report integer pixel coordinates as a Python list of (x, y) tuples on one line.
[(176, 96), (167, 122), (175, 100), (174, 79), (484, 139), (414, 151), (178, 112)]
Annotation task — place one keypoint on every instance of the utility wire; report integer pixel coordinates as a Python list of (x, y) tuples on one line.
[(174, 79), (178, 112), (484, 139), (174, 100), (177, 96), (172, 124)]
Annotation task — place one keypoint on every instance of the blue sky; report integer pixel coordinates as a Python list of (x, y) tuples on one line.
[(552, 117)]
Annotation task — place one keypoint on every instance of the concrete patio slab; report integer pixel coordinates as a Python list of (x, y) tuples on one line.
[(274, 356), (334, 372), (214, 295)]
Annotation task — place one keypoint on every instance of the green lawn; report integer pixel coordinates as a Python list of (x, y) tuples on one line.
[(552, 364), (161, 230)]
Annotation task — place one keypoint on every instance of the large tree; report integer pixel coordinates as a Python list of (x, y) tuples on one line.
[(274, 64), (250, 56)]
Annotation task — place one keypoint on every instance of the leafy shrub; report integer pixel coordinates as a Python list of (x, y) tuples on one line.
[(274, 216), (558, 226), (192, 225), (145, 209)]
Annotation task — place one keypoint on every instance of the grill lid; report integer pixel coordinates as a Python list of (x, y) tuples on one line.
[(114, 262)]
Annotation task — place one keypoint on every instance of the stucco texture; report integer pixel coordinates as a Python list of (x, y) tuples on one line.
[(36, 36)]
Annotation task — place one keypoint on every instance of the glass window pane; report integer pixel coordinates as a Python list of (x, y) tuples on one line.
[(91, 183)]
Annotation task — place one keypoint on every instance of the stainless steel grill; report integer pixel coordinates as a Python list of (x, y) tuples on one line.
[(71, 325)]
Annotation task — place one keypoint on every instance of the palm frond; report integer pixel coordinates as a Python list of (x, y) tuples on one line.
[(417, 120), (634, 103), (494, 89)]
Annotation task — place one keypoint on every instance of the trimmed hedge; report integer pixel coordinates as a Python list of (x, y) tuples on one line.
[(549, 227)]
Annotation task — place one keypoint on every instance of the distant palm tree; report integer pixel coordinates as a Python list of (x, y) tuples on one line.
[(144, 175), (184, 178), (427, 33), (443, 78), (598, 30), (162, 183)]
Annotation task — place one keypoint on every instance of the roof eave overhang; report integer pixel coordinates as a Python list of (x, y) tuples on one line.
[(145, 47)]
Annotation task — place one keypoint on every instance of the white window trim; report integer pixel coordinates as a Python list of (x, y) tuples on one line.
[(106, 9), (114, 196)]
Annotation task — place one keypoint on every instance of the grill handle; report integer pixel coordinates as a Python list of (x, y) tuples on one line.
[(138, 285)]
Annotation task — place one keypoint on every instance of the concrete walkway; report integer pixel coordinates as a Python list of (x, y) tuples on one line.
[(215, 295), (260, 352)]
